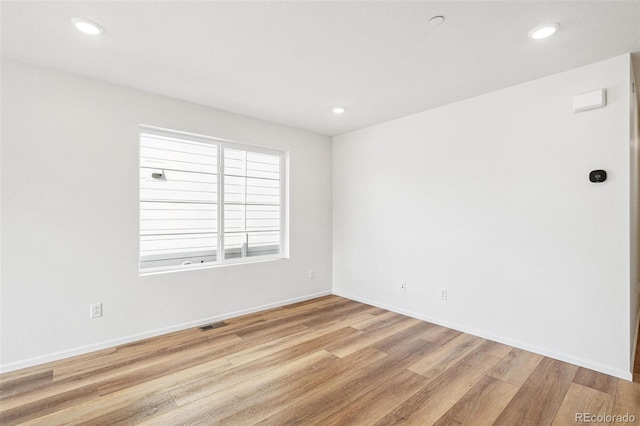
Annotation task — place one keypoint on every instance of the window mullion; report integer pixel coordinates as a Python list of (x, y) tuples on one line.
[(244, 207), (221, 203), (283, 207)]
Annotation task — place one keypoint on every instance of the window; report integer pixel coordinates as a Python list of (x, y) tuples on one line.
[(206, 201)]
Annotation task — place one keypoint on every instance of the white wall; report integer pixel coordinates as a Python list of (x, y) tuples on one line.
[(635, 218), (490, 198), (70, 218)]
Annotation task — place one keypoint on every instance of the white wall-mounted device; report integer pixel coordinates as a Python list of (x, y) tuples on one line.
[(590, 100)]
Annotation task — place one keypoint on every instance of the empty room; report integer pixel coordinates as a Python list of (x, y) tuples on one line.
[(319, 212)]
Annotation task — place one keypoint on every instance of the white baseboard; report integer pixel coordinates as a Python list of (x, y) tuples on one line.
[(30, 362), (626, 375)]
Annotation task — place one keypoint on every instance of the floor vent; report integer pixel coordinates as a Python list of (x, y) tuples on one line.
[(212, 326)]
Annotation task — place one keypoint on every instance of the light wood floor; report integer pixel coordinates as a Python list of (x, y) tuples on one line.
[(326, 361)]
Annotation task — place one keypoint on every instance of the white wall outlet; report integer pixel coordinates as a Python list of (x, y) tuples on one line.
[(95, 310), (638, 287), (443, 294), (312, 274), (403, 286)]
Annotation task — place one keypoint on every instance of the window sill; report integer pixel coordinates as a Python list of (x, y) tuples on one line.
[(197, 266)]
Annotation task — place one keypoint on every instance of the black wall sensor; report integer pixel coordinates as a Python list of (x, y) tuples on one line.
[(598, 176)]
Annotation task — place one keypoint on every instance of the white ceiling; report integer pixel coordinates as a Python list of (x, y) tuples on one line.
[(290, 62)]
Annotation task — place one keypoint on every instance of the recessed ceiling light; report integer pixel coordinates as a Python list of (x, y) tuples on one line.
[(339, 110), (436, 20), (544, 31), (87, 26)]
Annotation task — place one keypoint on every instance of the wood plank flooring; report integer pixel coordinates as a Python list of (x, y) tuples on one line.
[(327, 361)]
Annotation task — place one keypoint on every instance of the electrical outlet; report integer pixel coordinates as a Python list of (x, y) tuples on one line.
[(443, 294), (403, 286), (95, 310), (312, 274), (639, 287)]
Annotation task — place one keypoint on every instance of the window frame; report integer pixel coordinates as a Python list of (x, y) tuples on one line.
[(221, 144)]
